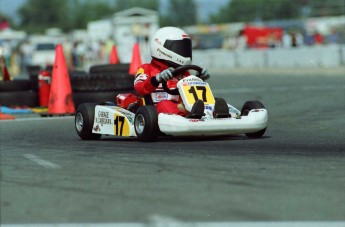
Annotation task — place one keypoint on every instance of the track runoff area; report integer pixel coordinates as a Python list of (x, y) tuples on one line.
[(291, 177)]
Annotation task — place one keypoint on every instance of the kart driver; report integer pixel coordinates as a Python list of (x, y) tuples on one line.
[(171, 47)]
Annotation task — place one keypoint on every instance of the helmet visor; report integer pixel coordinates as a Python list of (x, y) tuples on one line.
[(181, 47)]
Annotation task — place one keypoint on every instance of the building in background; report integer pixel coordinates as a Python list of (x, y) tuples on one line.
[(124, 29)]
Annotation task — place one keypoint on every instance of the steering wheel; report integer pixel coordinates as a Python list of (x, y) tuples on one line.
[(177, 72)]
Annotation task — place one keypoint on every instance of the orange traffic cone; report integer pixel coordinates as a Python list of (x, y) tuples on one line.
[(5, 73), (113, 59), (136, 60), (60, 99)]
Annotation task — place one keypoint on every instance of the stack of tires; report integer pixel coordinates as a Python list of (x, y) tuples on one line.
[(102, 84), (21, 92), (18, 93)]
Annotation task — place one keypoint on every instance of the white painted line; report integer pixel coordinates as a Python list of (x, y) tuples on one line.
[(191, 224), (78, 225), (42, 162)]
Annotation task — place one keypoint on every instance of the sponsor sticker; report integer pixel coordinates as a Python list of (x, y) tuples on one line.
[(129, 115), (97, 128), (159, 96), (194, 120), (102, 118), (208, 107), (163, 53)]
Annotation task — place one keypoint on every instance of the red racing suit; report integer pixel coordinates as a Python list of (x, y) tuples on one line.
[(145, 84)]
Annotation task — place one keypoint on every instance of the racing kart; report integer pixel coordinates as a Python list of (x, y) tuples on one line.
[(94, 120)]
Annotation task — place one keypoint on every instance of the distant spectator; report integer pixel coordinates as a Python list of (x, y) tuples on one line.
[(293, 40), (229, 42), (286, 40), (332, 38), (3, 24), (299, 39), (102, 51), (241, 40), (273, 40), (75, 57), (309, 39), (26, 50), (67, 48), (95, 49), (108, 45), (318, 39)]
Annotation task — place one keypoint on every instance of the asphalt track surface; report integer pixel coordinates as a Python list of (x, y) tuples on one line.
[(295, 173)]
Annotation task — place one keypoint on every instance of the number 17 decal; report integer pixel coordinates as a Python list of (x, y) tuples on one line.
[(121, 127), (203, 93), (195, 95)]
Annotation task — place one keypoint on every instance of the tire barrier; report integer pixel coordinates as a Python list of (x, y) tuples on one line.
[(109, 68), (17, 93), (102, 83), (103, 78), (15, 85), (99, 82), (27, 98)]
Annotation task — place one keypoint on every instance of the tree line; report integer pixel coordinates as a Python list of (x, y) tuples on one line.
[(264, 10), (38, 15)]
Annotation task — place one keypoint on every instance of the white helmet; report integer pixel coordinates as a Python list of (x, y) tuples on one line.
[(173, 45)]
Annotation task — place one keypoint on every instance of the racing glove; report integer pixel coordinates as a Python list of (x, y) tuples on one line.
[(165, 75), (204, 75)]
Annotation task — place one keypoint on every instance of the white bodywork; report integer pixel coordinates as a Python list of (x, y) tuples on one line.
[(113, 120), (179, 126)]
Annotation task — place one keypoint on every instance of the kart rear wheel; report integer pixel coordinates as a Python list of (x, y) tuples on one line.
[(146, 124), (247, 107), (84, 118)]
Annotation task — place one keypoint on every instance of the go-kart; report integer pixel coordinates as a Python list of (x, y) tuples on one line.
[(94, 120)]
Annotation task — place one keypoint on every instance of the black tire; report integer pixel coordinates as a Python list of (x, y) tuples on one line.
[(76, 73), (34, 82), (248, 106), (146, 124), (105, 81), (84, 118), (15, 85), (80, 82), (19, 98), (109, 68), (114, 81)]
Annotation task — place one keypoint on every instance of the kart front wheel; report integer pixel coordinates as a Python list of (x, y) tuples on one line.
[(84, 118), (247, 107), (146, 124)]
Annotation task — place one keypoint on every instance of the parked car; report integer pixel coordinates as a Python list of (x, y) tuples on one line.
[(43, 54)]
